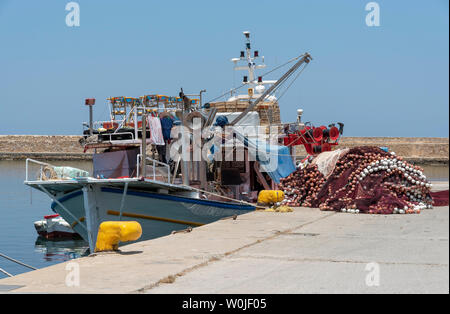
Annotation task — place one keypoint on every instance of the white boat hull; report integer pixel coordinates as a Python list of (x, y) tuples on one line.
[(55, 227), (159, 214)]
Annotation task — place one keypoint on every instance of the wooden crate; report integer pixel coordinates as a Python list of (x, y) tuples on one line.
[(241, 105)]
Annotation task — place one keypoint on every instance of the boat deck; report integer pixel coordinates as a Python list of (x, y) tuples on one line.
[(144, 184)]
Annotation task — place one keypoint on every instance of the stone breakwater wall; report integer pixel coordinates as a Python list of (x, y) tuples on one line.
[(67, 147), (425, 150), (52, 147)]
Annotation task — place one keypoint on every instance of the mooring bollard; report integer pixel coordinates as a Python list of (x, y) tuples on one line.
[(110, 233)]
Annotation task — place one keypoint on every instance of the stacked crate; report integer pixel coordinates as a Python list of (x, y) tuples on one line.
[(263, 109)]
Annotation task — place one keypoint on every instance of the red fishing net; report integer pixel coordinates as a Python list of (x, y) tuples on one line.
[(440, 198), (364, 179)]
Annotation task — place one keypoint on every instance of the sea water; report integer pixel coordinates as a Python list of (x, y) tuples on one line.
[(20, 207)]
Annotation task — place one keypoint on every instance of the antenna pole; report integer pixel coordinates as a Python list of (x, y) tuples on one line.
[(143, 145)]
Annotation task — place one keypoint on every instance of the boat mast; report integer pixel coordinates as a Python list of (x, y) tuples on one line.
[(249, 58), (305, 58)]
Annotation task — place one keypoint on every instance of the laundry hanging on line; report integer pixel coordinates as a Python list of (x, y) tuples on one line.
[(156, 136)]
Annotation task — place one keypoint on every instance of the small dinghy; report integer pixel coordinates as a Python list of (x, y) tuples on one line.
[(55, 227)]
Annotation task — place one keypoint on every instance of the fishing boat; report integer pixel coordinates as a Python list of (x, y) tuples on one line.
[(55, 227), (173, 163)]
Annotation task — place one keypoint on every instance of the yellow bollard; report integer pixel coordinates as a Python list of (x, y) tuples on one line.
[(270, 196), (110, 233)]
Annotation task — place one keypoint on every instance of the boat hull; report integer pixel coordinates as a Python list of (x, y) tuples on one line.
[(159, 214), (54, 227)]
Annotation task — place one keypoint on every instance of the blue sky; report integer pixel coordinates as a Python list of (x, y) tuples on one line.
[(390, 80)]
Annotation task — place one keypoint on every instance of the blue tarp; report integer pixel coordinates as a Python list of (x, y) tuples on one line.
[(274, 159), (285, 166)]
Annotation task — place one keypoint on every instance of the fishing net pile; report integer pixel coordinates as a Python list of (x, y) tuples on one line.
[(361, 179)]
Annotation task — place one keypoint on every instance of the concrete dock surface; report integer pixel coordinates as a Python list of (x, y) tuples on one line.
[(305, 251)]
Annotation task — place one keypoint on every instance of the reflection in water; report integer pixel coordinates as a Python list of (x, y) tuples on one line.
[(61, 250)]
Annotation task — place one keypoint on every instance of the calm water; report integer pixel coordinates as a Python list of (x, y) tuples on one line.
[(20, 207), (436, 173)]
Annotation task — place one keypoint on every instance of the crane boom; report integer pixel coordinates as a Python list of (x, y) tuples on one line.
[(305, 58)]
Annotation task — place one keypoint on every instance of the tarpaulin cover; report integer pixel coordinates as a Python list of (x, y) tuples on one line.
[(117, 164), (326, 161), (273, 159), (285, 166), (69, 172)]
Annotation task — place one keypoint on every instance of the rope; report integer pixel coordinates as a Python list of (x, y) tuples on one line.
[(5, 272), (237, 88), (232, 90), (281, 82), (292, 60), (16, 261), (296, 77), (51, 173)]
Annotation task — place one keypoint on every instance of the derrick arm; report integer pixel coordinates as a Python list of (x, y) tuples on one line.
[(304, 59)]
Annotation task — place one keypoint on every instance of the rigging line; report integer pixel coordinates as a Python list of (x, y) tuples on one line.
[(292, 60), (5, 272), (276, 68), (297, 66), (16, 261), (232, 90), (281, 82), (296, 77)]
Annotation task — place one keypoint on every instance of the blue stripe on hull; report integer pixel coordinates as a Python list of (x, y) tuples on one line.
[(183, 199), (164, 197)]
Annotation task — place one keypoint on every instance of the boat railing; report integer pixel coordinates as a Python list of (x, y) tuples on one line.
[(41, 170), (51, 172), (154, 163), (110, 135), (101, 123)]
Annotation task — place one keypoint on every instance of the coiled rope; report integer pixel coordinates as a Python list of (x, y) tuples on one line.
[(48, 173)]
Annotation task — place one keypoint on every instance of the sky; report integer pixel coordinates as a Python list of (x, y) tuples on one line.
[(386, 80)]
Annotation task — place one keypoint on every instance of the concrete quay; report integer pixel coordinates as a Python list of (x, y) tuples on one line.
[(305, 251)]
